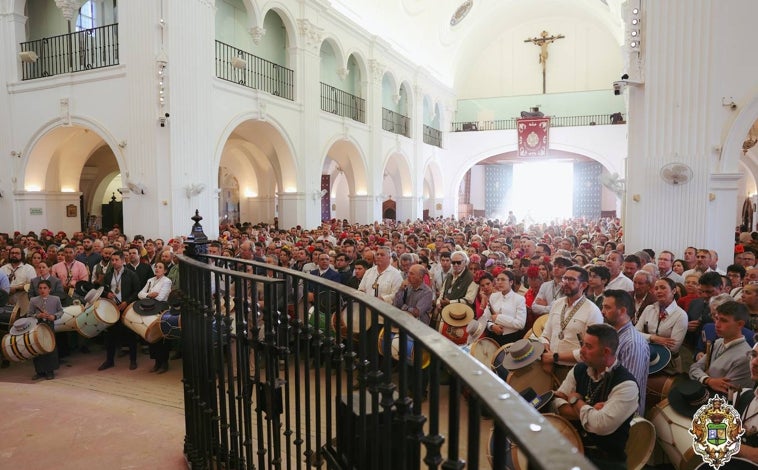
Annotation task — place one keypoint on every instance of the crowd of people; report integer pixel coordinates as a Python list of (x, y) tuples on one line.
[(607, 310)]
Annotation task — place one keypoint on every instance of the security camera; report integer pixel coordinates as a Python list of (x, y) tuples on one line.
[(618, 86)]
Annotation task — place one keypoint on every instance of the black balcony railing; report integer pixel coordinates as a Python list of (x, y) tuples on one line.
[(396, 122), (432, 136), (342, 103), (241, 67), (74, 52), (275, 379), (561, 121)]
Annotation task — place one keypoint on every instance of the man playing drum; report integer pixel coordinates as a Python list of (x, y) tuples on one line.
[(600, 397), (45, 308), (569, 318)]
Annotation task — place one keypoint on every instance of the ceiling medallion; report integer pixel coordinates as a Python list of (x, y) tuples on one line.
[(461, 12)]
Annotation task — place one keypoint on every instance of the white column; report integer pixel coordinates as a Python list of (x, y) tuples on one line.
[(669, 120), (722, 200), (362, 209), (408, 207), (191, 55), (308, 73), (292, 210), (259, 209)]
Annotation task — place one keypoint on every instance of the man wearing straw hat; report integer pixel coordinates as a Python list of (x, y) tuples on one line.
[(600, 397)]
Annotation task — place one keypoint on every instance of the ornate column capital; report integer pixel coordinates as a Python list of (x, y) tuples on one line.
[(376, 69), (69, 8), (312, 34), (257, 33)]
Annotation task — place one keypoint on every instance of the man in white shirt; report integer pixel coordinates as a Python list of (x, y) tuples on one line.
[(614, 262), (569, 318), (382, 280)]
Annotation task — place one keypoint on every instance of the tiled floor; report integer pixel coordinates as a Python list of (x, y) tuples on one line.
[(85, 419)]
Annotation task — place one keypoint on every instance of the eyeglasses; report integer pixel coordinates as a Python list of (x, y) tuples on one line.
[(569, 279), (456, 262)]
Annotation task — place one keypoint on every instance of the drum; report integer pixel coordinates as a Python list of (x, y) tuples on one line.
[(409, 349), (517, 460), (355, 311), (533, 376), (8, 315), (171, 325), (67, 321), (96, 318), (640, 444), (147, 326), (456, 334), (484, 350), (735, 463), (537, 327), (671, 429), (658, 387), (35, 340)]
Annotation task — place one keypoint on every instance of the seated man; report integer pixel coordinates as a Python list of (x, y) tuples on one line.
[(600, 396), (724, 368)]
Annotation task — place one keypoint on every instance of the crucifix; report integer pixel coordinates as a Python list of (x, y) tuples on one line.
[(543, 41)]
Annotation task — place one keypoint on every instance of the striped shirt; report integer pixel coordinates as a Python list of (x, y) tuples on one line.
[(634, 354)]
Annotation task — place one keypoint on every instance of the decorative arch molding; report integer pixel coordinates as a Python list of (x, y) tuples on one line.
[(402, 177), (352, 161), (36, 158), (432, 169), (731, 152), (285, 15), (339, 51), (280, 141)]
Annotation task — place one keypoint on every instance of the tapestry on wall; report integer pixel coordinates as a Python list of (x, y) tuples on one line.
[(533, 136)]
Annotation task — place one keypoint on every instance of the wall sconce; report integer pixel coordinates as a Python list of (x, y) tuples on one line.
[(122, 144), (15, 154), (28, 57), (239, 63), (193, 189), (319, 194), (711, 197), (636, 198), (136, 188)]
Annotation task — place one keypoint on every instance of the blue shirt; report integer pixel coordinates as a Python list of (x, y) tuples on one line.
[(4, 282)]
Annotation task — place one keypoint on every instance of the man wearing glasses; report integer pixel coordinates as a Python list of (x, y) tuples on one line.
[(568, 321), (459, 285)]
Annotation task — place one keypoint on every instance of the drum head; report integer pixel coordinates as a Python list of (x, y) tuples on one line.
[(641, 442), (539, 325), (354, 309), (533, 376), (484, 350), (563, 426)]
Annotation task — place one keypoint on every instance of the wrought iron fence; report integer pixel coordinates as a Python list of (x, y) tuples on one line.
[(275, 379), (432, 136), (342, 103), (236, 65), (74, 52), (560, 121), (395, 122)]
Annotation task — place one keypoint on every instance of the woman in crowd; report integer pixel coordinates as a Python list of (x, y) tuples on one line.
[(35, 259), (158, 287), (679, 266), (664, 322), (486, 287), (692, 290), (506, 312)]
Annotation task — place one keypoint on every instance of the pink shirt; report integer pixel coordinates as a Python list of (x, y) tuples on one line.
[(70, 274)]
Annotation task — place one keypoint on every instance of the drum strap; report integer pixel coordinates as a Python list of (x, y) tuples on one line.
[(565, 320)]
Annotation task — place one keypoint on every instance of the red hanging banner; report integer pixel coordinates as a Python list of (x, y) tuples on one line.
[(533, 136)]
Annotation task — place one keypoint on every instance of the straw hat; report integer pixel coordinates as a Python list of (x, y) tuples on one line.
[(457, 314)]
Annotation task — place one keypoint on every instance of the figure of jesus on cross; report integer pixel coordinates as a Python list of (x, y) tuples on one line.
[(543, 41)]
